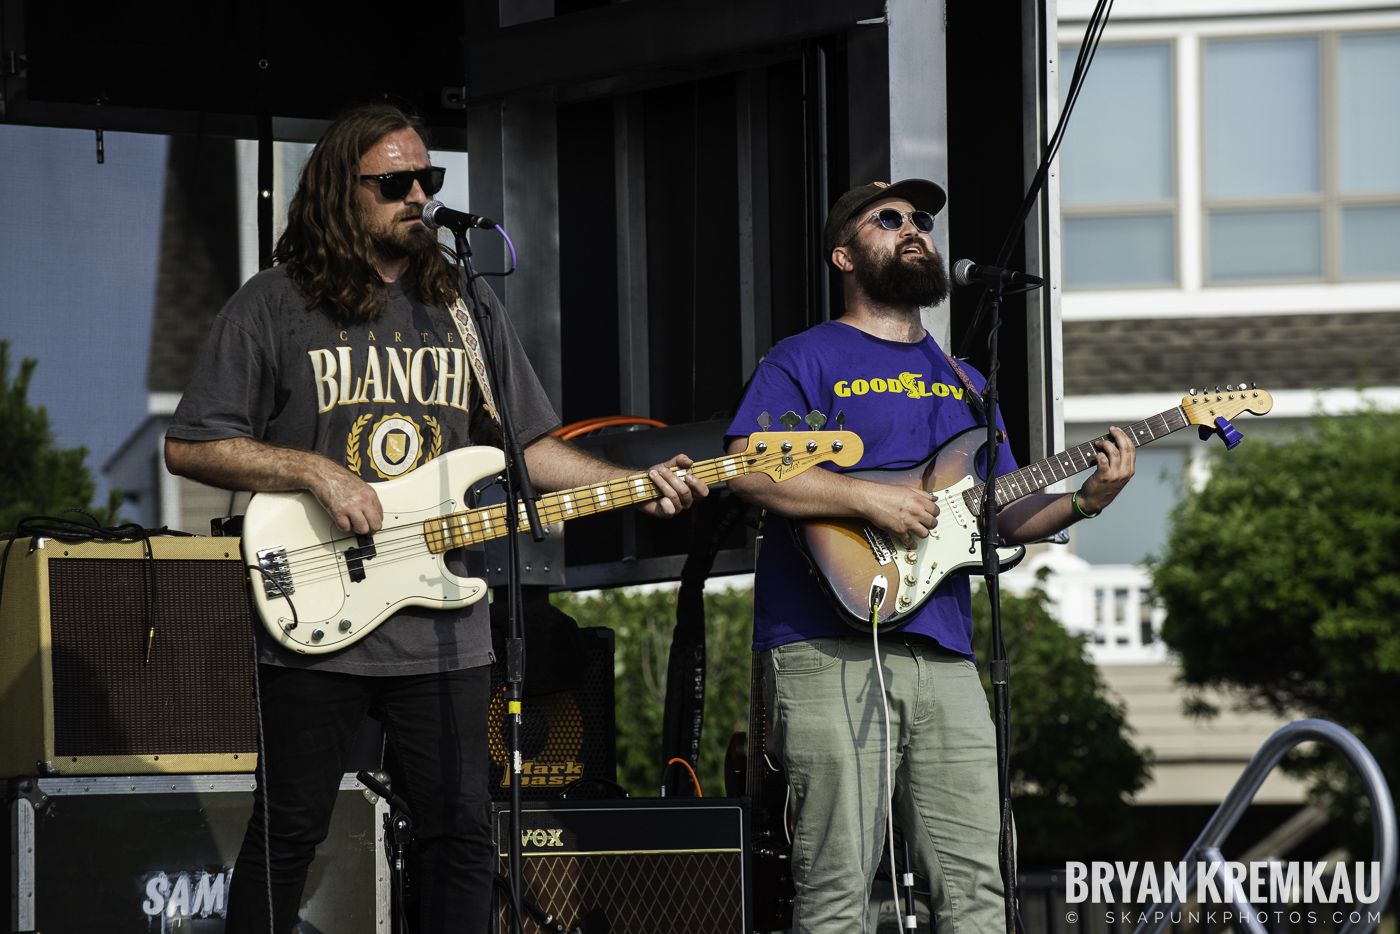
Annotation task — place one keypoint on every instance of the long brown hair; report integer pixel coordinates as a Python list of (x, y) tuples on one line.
[(326, 247)]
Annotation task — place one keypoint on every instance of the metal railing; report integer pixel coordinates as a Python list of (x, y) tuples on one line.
[(1206, 849)]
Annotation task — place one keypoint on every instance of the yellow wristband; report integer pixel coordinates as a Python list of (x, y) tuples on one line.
[(1074, 500)]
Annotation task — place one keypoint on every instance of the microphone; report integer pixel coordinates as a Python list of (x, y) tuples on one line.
[(436, 214), (966, 272)]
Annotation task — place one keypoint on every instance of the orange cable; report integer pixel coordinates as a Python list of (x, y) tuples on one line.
[(569, 432), (693, 776)]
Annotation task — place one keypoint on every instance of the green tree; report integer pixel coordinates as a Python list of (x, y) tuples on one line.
[(1073, 766), (643, 623), (1280, 580), (38, 478)]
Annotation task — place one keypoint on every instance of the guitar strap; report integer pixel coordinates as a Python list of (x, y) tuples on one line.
[(467, 328), (973, 396)]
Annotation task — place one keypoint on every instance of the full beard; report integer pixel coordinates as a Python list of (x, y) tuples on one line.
[(399, 240), (898, 280)]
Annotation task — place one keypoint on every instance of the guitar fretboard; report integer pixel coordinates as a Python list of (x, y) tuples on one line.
[(479, 525), (1057, 467)]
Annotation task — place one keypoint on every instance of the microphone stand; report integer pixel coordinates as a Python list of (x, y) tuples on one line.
[(991, 570), (517, 487)]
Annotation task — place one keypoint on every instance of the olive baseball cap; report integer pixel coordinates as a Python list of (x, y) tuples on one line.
[(920, 192)]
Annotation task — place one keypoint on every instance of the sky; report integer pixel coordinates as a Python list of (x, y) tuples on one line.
[(78, 252), (79, 248)]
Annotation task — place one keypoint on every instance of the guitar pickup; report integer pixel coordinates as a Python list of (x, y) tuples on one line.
[(356, 557)]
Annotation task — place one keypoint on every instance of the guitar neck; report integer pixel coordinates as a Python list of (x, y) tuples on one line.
[(479, 525), (1057, 467)]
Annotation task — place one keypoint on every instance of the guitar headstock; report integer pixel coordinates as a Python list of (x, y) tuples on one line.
[(1203, 408), (784, 454)]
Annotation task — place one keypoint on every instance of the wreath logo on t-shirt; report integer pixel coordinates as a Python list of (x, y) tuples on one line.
[(437, 436), (352, 446)]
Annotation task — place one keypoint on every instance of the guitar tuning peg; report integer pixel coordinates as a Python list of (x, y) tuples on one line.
[(815, 420), (1217, 387), (841, 418), (764, 420), (1229, 387), (790, 420), (1190, 392), (1253, 385)]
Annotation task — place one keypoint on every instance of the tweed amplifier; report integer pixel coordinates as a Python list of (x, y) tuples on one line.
[(651, 864), (78, 693)]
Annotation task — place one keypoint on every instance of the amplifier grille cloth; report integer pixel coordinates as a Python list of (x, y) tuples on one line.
[(680, 893), (563, 736), (196, 694)]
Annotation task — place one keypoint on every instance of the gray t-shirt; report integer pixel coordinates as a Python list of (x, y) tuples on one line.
[(378, 398)]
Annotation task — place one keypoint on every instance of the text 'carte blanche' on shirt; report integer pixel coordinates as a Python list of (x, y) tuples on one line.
[(337, 383)]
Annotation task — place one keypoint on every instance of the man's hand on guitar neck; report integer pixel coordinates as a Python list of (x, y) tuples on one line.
[(1116, 461), (1040, 515), (905, 512)]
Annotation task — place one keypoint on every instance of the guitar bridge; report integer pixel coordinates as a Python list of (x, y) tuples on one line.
[(276, 575), (881, 544)]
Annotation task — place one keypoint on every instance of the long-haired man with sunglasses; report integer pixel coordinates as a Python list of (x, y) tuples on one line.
[(339, 367), (904, 397)]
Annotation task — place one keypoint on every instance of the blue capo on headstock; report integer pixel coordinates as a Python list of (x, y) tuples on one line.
[(1209, 410)]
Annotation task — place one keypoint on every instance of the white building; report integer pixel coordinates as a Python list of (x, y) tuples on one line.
[(1230, 192)]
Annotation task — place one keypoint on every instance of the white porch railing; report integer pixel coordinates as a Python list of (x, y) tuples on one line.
[(1111, 602)]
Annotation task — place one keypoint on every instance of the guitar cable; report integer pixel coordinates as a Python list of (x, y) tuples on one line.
[(878, 587), (262, 749)]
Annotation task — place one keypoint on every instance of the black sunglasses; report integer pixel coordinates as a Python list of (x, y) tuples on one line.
[(890, 219), (396, 185)]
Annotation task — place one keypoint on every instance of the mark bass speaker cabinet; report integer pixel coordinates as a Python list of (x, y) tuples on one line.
[(678, 865), (564, 736), (77, 693)]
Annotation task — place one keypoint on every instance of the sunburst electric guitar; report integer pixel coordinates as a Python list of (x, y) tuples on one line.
[(322, 589), (849, 555)]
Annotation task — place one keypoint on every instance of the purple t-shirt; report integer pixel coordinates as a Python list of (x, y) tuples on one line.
[(903, 400)]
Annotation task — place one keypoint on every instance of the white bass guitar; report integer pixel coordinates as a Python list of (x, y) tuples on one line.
[(321, 589)]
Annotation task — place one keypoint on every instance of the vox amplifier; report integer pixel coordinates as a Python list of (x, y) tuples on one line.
[(650, 864)]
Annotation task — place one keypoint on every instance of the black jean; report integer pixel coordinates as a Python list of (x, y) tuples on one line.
[(437, 723)]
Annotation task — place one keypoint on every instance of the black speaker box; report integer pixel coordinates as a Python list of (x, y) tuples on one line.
[(678, 865), (564, 736), (78, 695)]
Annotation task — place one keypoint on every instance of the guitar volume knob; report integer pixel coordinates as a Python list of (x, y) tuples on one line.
[(317, 635), (910, 579), (345, 625)]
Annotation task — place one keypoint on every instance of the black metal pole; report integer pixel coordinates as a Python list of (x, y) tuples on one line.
[(517, 489), (1001, 667)]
